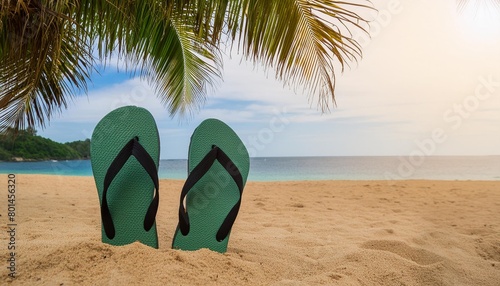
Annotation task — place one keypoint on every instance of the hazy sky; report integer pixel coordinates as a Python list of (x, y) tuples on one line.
[(428, 83)]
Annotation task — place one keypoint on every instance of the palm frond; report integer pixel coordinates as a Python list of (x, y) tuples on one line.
[(159, 41), (178, 63), (46, 58), (302, 40), (42, 62)]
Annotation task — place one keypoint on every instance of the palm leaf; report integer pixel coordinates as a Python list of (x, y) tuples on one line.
[(174, 59), (302, 40), (46, 58), (42, 62), (159, 42)]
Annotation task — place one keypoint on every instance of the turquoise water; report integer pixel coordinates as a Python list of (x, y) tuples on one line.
[(308, 168)]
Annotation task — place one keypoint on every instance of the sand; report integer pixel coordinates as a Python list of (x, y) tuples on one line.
[(287, 233)]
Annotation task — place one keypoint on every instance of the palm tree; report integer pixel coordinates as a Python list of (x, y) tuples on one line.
[(48, 48)]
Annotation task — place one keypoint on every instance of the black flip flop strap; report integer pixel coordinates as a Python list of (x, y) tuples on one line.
[(196, 174), (132, 148)]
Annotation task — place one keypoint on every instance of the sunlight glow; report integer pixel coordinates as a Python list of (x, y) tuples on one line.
[(480, 20)]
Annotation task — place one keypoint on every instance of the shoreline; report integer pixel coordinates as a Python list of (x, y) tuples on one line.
[(285, 169), (278, 181)]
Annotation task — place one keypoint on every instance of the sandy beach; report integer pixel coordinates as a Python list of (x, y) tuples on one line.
[(287, 233)]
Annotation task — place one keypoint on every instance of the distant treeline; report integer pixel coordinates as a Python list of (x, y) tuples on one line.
[(25, 145)]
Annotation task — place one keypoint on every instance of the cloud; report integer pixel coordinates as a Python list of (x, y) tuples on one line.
[(92, 107), (416, 67)]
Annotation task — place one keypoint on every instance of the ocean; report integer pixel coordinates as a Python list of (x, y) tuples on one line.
[(309, 168)]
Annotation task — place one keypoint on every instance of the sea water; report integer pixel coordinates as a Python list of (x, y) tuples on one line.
[(308, 168)]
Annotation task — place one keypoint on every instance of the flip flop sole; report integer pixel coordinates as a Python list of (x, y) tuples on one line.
[(132, 190), (214, 195)]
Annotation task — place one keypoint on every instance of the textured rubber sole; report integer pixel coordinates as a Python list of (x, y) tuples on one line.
[(213, 196), (132, 190)]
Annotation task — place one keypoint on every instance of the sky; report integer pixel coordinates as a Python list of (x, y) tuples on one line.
[(428, 84)]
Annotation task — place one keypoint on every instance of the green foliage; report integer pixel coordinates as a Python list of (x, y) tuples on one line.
[(27, 145), (82, 147), (4, 155)]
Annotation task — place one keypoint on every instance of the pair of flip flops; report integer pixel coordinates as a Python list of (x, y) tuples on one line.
[(125, 151)]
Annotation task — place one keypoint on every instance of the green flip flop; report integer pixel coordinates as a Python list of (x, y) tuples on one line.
[(218, 168), (125, 152)]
